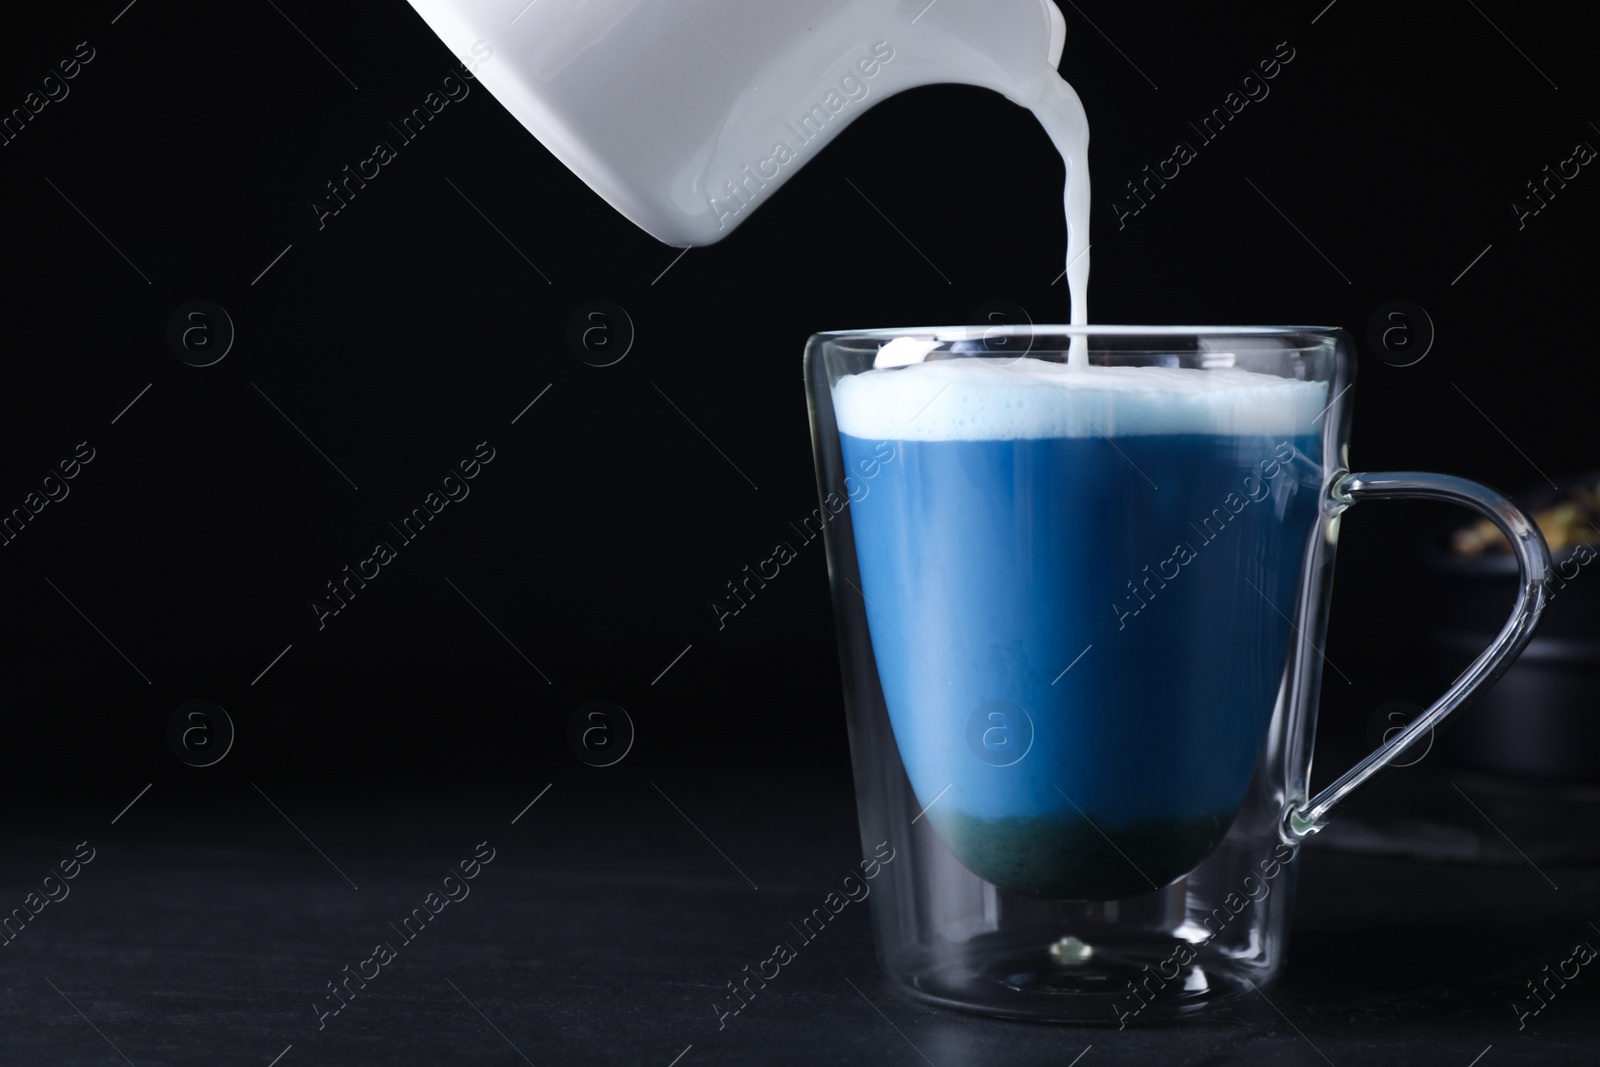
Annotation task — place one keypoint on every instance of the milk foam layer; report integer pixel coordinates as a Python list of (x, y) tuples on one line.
[(975, 399)]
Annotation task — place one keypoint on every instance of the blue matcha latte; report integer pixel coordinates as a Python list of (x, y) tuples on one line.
[(1145, 525)]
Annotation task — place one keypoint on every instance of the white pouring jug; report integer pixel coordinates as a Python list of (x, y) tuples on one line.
[(686, 114)]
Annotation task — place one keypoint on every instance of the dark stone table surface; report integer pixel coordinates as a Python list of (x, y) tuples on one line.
[(208, 923)]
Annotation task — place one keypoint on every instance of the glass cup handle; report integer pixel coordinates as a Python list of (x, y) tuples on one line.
[(1533, 564)]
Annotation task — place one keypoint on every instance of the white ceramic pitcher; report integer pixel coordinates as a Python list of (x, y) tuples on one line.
[(687, 114)]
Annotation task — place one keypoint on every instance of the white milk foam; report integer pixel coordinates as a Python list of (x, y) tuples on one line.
[(977, 399)]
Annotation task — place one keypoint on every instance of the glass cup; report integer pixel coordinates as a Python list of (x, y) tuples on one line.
[(1080, 603)]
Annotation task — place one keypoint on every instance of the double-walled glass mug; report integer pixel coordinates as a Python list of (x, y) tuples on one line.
[(1080, 602)]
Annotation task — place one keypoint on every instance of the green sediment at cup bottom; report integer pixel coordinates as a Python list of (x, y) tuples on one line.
[(1055, 857)]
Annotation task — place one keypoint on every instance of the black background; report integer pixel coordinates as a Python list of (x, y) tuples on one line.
[(408, 329)]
